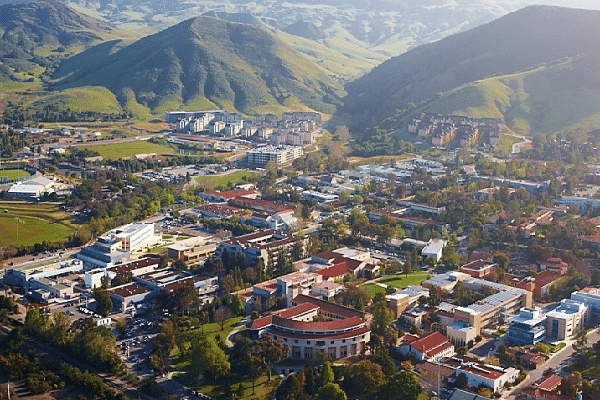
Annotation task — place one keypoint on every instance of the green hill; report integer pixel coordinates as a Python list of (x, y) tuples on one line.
[(205, 61), (547, 99), (527, 39)]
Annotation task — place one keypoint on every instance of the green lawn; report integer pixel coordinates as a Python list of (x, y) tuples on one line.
[(241, 387), (129, 149), (34, 223), (373, 289), (402, 281), (222, 181), (14, 173)]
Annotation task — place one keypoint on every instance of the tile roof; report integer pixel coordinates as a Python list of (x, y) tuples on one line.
[(482, 371), (297, 310), (331, 308), (431, 344), (545, 277), (550, 383), (297, 335), (327, 326)]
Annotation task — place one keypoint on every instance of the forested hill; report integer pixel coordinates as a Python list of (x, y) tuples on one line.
[(519, 41), (206, 62)]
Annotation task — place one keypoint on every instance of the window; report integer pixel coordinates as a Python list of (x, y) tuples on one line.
[(295, 340), (308, 342), (343, 340)]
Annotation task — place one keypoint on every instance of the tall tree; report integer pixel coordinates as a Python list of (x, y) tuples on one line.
[(331, 391), (328, 376), (402, 386), (209, 359), (407, 267), (104, 304), (269, 352)]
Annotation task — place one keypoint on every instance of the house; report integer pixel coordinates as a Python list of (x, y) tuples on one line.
[(554, 264), (487, 375), (547, 388), (432, 346), (434, 249)]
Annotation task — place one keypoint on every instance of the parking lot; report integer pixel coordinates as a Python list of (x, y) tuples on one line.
[(136, 346)]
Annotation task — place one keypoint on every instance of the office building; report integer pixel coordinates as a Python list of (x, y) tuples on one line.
[(529, 327)]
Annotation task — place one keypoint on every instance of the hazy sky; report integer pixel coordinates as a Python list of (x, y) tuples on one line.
[(587, 4)]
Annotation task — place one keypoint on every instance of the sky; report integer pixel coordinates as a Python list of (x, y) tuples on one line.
[(586, 4)]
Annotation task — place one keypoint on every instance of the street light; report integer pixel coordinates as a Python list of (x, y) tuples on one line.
[(18, 222)]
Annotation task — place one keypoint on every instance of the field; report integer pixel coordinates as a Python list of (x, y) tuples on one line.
[(28, 224), (129, 149), (373, 289), (14, 173), (236, 178), (506, 144), (402, 281)]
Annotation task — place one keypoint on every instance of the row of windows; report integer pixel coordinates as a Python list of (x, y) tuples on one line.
[(318, 342)]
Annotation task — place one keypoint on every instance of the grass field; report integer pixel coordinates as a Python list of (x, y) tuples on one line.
[(402, 281), (34, 223), (213, 181), (129, 149), (373, 289), (14, 173), (506, 144)]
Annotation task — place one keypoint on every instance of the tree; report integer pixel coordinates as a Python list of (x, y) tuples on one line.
[(227, 283), (402, 386), (331, 391), (209, 359), (367, 376), (407, 267), (290, 389), (269, 352), (182, 298), (502, 259), (434, 297), (328, 376), (571, 384), (382, 317), (222, 314), (104, 304)]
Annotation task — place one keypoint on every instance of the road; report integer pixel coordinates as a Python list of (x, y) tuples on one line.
[(557, 363), (516, 148)]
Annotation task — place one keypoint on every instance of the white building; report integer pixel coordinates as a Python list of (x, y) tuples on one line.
[(487, 375), (433, 346), (434, 249), (279, 154), (31, 189), (133, 237)]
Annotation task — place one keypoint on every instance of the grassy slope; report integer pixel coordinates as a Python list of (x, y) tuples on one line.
[(87, 98), (212, 181), (536, 101)]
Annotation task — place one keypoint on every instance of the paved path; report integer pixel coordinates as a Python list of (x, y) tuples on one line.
[(516, 148), (240, 325)]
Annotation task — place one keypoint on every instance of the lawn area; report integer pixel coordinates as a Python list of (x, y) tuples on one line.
[(14, 173), (129, 149), (214, 181), (402, 281), (34, 223), (241, 387), (373, 289)]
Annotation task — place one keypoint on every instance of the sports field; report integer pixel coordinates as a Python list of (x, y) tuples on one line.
[(113, 151), (14, 173), (25, 224)]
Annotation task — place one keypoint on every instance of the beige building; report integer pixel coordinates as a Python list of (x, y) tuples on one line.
[(565, 321), (460, 333)]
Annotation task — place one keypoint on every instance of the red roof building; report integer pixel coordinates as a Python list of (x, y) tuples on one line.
[(433, 346), (543, 281), (341, 332)]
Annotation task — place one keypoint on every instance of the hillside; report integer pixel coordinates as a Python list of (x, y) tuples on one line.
[(524, 40), (36, 35), (205, 62), (548, 99)]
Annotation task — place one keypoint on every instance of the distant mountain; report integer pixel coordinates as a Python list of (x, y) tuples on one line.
[(527, 39), (377, 30), (205, 62)]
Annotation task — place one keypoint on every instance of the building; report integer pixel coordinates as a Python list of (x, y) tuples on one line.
[(433, 346), (565, 321), (589, 296), (505, 299), (461, 334), (342, 333), (529, 327), (134, 237), (434, 249), (130, 295), (554, 264), (458, 394), (320, 197), (215, 196), (265, 244), (487, 375), (31, 189), (479, 268), (279, 154), (192, 249), (221, 212), (284, 221), (56, 288), (547, 388), (104, 253), (142, 266), (543, 282), (398, 303)]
